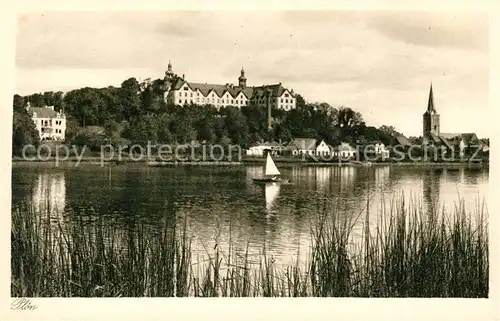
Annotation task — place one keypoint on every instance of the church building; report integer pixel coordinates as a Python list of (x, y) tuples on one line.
[(432, 135)]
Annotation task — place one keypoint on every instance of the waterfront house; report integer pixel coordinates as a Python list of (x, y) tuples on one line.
[(402, 141), (373, 150), (50, 124), (461, 142), (261, 149), (344, 151), (381, 150), (323, 149), (302, 146), (308, 146)]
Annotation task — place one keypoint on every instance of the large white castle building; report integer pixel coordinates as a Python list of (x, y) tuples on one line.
[(178, 91)]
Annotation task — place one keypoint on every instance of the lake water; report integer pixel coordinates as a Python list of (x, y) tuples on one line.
[(222, 203)]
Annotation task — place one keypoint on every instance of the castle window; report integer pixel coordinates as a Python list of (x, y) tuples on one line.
[(191, 94), (180, 101), (186, 88), (286, 95), (281, 99)]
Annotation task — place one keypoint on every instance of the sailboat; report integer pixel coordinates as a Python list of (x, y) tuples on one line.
[(271, 172)]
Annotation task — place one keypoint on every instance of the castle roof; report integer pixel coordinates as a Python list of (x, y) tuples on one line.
[(275, 90)]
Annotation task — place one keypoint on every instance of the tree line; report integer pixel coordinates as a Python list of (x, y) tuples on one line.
[(136, 113)]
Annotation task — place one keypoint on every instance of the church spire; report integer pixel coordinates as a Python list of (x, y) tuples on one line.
[(430, 105)]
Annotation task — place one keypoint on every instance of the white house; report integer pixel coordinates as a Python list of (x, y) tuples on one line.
[(260, 149), (344, 150), (323, 149), (51, 124), (302, 146), (309, 146), (381, 150)]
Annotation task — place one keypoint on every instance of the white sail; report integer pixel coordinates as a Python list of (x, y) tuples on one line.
[(271, 169)]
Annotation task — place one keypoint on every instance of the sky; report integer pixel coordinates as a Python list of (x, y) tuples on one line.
[(379, 63)]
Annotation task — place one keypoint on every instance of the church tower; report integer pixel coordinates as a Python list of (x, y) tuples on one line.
[(431, 118), (242, 80)]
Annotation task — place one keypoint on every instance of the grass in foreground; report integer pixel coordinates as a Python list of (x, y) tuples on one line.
[(411, 253)]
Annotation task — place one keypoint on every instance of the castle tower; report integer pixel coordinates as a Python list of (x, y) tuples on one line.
[(169, 73), (168, 82), (242, 80), (431, 118)]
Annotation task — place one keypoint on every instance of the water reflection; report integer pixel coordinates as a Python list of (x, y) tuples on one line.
[(382, 175), (461, 175), (431, 182), (49, 194), (271, 191), (347, 177), (323, 176), (248, 213)]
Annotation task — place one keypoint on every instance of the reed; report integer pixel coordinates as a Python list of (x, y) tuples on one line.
[(413, 251)]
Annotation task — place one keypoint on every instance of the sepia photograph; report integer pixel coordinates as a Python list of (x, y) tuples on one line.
[(270, 153)]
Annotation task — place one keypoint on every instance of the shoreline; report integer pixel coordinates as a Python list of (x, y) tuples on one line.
[(254, 161)]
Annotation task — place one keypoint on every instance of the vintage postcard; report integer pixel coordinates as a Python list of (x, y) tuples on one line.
[(333, 157)]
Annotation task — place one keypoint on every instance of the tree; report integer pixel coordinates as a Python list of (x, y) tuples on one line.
[(389, 130), (19, 103), (299, 101), (129, 98), (36, 100), (143, 130), (236, 124), (24, 132), (72, 129)]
